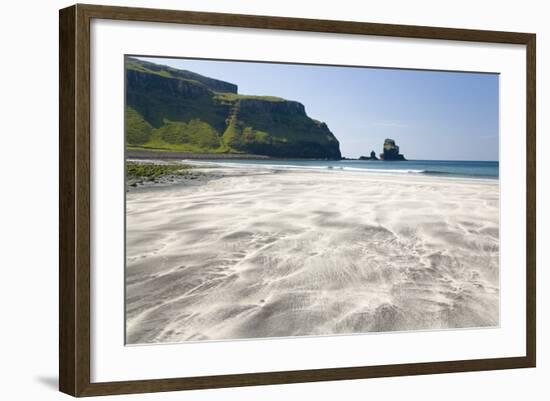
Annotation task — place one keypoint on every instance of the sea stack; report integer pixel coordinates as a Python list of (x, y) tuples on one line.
[(391, 151), (371, 157)]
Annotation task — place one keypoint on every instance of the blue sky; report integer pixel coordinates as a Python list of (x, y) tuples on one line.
[(431, 115)]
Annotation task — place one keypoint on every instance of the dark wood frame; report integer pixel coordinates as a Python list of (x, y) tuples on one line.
[(74, 200)]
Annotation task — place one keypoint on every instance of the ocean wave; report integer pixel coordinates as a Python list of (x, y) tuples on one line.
[(437, 172), (311, 167), (385, 170), (336, 168), (459, 174)]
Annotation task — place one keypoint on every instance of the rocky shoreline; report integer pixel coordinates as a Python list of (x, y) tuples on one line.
[(144, 174)]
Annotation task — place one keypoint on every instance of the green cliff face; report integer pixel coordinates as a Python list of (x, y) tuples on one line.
[(175, 110)]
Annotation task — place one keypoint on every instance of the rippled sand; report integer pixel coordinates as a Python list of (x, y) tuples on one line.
[(273, 253)]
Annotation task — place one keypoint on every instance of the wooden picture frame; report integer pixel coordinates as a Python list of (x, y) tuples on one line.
[(74, 200)]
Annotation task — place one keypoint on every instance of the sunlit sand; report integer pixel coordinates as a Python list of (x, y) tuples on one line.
[(267, 252)]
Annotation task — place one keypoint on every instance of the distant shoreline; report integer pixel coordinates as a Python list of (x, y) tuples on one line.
[(151, 154)]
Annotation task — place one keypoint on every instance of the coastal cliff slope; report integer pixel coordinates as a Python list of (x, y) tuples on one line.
[(176, 110)]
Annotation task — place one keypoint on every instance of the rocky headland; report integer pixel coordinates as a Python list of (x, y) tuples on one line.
[(172, 110)]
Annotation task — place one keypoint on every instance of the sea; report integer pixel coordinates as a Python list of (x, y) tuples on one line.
[(448, 168)]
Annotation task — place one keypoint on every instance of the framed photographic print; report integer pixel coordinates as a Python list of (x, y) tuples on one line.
[(250, 200)]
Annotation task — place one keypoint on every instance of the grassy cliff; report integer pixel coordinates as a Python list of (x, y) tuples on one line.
[(176, 110)]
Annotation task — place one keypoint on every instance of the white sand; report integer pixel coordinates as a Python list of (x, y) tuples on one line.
[(270, 253)]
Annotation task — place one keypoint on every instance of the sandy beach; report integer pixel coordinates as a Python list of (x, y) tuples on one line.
[(269, 252)]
